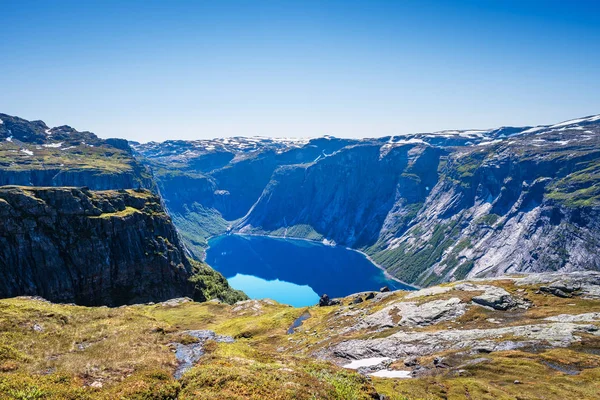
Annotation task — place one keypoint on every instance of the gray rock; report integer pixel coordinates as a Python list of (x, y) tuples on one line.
[(324, 301), (357, 300), (556, 291), (496, 298), (411, 361), (404, 344), (414, 314)]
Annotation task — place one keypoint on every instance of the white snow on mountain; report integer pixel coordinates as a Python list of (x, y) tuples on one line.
[(53, 145)]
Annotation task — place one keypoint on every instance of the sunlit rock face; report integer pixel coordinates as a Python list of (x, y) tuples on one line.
[(427, 207)]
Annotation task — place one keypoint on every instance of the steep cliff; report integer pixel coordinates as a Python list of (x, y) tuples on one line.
[(345, 197), (528, 204), (96, 248), (427, 207)]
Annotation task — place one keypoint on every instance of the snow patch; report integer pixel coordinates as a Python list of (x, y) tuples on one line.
[(535, 129), (53, 145), (387, 373), (489, 142), (577, 121), (28, 152), (366, 362)]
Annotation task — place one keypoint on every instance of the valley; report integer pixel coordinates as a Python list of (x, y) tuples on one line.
[(293, 271), (109, 291), (429, 208)]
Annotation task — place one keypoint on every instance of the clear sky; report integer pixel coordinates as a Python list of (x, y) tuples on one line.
[(149, 70)]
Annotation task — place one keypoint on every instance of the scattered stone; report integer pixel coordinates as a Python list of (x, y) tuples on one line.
[(414, 314), (96, 384), (384, 289), (586, 317), (175, 302), (370, 296), (357, 300), (37, 328), (496, 298), (583, 283), (430, 291), (555, 291), (517, 382), (438, 362), (404, 344), (411, 361), (254, 307)]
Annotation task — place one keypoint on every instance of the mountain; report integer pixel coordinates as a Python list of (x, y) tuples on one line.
[(429, 207), (80, 222), (32, 154)]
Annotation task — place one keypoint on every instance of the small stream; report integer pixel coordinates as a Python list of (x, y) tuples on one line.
[(189, 354), (562, 368), (298, 322)]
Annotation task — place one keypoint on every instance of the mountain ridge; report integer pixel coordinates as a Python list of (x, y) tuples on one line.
[(259, 190)]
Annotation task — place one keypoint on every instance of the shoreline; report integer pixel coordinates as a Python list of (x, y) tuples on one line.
[(385, 273)]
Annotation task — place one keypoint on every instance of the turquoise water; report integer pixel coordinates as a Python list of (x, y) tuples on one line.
[(291, 271)]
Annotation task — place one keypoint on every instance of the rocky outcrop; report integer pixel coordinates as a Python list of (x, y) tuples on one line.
[(450, 327), (405, 344), (93, 248)]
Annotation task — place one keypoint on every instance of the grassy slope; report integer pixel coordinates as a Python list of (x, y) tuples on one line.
[(127, 350)]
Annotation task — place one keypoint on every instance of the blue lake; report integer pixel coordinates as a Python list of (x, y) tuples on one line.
[(292, 271)]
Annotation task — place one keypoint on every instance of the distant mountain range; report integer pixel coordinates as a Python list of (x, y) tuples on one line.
[(428, 207)]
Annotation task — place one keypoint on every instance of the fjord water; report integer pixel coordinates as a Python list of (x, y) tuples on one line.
[(293, 271)]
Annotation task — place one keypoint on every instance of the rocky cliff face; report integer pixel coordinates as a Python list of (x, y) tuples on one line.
[(73, 244), (92, 248), (427, 207), (345, 197), (526, 204), (95, 248)]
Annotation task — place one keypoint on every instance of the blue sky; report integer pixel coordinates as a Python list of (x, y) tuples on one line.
[(150, 70)]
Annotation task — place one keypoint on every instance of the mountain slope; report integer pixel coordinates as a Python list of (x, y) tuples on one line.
[(64, 239), (427, 207)]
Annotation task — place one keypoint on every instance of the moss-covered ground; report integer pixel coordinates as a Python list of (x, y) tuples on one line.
[(51, 351)]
